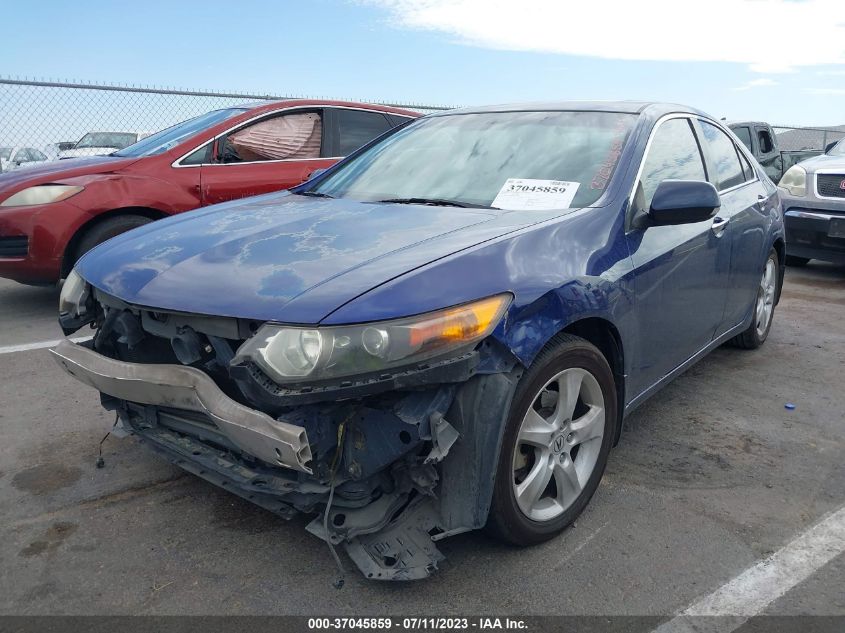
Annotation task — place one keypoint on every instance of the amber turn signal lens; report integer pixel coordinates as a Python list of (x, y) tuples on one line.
[(466, 323)]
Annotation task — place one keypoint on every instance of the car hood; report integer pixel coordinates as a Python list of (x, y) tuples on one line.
[(57, 171), (261, 258), (823, 162)]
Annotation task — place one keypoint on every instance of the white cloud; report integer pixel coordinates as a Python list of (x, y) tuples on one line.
[(770, 36), (763, 82), (826, 91)]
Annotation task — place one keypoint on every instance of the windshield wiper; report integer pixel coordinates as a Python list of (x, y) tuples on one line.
[(315, 194), (434, 202)]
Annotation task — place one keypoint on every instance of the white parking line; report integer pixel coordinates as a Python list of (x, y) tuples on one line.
[(757, 587), (25, 347)]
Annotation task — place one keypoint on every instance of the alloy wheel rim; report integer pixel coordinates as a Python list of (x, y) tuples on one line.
[(558, 444), (766, 298)]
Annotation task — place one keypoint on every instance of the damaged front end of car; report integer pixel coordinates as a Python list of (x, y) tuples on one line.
[(389, 431)]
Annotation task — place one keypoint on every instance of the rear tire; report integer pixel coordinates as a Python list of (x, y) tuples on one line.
[(791, 260), (556, 442), (107, 229), (764, 307)]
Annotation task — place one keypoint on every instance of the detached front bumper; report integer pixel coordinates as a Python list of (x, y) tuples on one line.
[(180, 387), (385, 474)]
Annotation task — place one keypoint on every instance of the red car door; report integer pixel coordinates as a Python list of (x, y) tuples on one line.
[(274, 152)]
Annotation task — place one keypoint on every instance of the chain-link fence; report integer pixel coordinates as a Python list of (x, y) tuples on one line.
[(807, 138), (50, 116)]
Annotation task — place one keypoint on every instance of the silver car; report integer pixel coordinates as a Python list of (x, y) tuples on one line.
[(813, 194)]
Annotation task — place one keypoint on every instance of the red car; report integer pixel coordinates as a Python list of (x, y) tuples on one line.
[(50, 215)]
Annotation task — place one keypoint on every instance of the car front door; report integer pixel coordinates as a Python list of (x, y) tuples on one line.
[(745, 203), (682, 270), (276, 152)]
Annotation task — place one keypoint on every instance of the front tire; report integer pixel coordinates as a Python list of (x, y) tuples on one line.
[(764, 307), (107, 229), (556, 442)]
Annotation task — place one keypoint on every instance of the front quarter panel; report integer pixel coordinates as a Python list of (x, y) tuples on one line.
[(569, 268)]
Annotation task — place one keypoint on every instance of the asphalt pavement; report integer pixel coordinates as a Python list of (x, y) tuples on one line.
[(712, 476)]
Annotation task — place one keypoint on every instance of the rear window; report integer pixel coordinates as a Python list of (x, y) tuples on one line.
[(744, 135), (357, 128)]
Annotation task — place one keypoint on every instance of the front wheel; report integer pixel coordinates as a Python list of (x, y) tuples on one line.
[(107, 229), (555, 446), (764, 307)]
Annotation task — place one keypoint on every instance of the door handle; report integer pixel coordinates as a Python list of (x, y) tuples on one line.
[(718, 226), (761, 202)]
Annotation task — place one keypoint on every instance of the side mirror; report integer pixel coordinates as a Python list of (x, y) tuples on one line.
[(683, 202), (829, 147)]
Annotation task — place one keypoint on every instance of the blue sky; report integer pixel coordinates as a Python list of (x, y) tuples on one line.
[(454, 53)]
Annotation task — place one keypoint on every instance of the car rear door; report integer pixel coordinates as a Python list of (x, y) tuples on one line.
[(681, 271), (746, 202), (274, 152)]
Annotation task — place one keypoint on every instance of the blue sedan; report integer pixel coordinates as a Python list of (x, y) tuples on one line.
[(443, 332)]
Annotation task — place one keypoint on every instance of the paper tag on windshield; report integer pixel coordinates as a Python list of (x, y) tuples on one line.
[(524, 194)]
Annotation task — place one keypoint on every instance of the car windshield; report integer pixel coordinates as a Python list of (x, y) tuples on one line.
[(475, 159), (5, 153), (169, 138), (118, 140), (838, 149)]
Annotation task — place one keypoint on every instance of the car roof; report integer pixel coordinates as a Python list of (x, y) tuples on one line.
[(740, 123), (267, 106), (628, 107)]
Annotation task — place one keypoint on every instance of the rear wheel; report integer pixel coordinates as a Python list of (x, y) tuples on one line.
[(764, 307), (556, 443), (791, 260), (107, 229)]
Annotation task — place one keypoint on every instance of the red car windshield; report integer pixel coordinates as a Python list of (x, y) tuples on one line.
[(172, 136)]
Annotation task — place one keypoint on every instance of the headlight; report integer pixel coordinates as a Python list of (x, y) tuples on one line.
[(794, 181), (41, 194), (73, 296), (294, 354)]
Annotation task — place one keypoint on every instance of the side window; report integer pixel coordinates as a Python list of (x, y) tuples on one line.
[(746, 167), (201, 156), (23, 155), (765, 140), (744, 134), (289, 136), (396, 120), (357, 127), (37, 155), (727, 170), (673, 154)]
